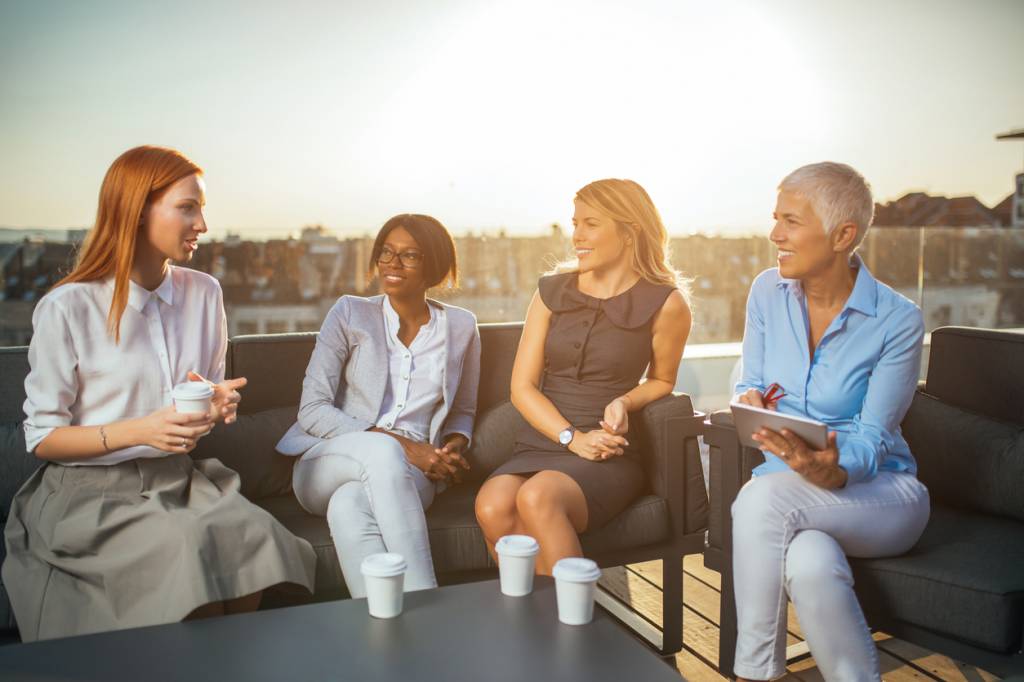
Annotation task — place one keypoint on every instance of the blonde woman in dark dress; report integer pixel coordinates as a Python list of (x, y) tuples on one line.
[(592, 329)]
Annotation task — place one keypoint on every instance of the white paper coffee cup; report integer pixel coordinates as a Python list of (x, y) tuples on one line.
[(192, 396), (384, 576), (575, 585), (516, 557)]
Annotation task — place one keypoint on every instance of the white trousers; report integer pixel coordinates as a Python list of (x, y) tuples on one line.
[(374, 501), (791, 537)]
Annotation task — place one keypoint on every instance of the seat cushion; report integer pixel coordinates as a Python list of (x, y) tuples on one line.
[(964, 579), (456, 541), (967, 459)]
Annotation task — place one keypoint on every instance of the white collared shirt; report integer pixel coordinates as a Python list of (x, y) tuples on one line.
[(80, 377), (416, 374)]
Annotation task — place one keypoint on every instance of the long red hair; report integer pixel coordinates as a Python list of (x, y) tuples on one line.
[(135, 179)]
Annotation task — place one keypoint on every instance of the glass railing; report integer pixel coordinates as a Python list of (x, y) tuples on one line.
[(959, 276)]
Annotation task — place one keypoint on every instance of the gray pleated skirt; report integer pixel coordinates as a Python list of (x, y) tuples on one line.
[(143, 542)]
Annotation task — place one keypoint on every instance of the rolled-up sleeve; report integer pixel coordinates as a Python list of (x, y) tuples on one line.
[(51, 386), (753, 342), (890, 391)]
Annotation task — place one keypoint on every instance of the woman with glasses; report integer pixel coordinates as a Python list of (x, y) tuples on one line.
[(388, 404)]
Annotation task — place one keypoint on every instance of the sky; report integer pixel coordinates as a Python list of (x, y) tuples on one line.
[(492, 114)]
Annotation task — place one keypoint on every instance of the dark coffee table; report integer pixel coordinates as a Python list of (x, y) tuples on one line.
[(461, 632)]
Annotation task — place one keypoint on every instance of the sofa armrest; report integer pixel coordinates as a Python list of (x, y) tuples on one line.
[(730, 467), (671, 458)]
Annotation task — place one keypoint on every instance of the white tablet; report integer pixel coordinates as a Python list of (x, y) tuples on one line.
[(749, 420)]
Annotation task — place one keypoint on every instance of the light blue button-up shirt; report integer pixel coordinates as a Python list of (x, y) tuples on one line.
[(861, 378)]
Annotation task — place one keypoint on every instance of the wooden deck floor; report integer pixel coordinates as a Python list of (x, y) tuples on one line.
[(639, 585)]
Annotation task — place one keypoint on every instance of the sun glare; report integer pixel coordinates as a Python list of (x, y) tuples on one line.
[(542, 98)]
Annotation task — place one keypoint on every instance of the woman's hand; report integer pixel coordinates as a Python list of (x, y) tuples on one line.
[(423, 456), (754, 398), (224, 404), (616, 417), (597, 445), (820, 467), (171, 431), (451, 454)]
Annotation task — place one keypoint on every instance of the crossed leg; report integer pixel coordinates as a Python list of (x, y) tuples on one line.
[(548, 505)]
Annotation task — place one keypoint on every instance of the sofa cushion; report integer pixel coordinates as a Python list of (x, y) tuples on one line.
[(275, 365), (498, 344), (966, 459), (13, 370), (16, 465), (494, 439), (951, 582), (247, 446), (456, 541), (978, 369)]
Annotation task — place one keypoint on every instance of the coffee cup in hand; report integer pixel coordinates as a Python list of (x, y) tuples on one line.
[(516, 557), (575, 586), (384, 577), (192, 397)]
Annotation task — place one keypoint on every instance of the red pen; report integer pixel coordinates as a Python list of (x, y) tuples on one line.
[(773, 395)]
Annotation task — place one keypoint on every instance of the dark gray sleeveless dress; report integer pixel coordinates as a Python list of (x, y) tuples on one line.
[(595, 350)]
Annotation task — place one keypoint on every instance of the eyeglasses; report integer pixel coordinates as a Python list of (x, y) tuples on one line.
[(409, 259), (774, 394)]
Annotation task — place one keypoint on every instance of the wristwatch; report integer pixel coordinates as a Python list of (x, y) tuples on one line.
[(565, 436)]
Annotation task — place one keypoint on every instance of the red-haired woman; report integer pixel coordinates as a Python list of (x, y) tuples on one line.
[(120, 528)]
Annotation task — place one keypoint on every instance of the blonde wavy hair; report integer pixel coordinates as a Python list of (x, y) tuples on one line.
[(629, 205)]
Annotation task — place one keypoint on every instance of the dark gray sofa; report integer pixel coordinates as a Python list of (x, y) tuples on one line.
[(667, 522), (960, 590)]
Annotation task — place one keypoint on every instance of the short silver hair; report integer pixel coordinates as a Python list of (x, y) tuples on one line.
[(838, 194)]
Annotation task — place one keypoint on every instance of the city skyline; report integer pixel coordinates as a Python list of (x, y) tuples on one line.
[(490, 115)]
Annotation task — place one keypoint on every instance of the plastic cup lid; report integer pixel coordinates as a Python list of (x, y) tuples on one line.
[(192, 390), (576, 570), (383, 565), (516, 545)]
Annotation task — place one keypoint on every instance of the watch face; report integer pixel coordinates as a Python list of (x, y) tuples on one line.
[(565, 437)]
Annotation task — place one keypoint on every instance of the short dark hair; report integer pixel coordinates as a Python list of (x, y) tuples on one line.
[(439, 262)]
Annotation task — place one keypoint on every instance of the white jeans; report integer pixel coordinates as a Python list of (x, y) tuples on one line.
[(373, 499), (791, 537)]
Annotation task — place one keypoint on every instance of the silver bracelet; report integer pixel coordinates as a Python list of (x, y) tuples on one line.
[(103, 437)]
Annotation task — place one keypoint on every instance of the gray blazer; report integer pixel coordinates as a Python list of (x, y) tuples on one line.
[(343, 390)]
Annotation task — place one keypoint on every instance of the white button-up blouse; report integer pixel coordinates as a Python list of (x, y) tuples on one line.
[(416, 375), (80, 377)]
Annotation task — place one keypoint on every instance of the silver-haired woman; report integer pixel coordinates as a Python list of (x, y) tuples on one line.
[(845, 350)]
